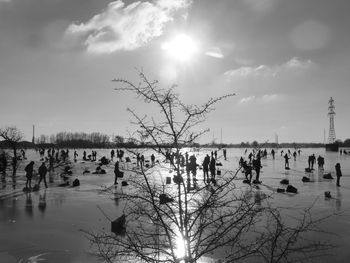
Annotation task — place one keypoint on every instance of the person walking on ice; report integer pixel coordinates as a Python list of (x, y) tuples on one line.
[(286, 161), (29, 174), (42, 173), (338, 173)]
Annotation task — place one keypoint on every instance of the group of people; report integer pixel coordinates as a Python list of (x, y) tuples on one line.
[(120, 154), (29, 169), (253, 163), (189, 162)]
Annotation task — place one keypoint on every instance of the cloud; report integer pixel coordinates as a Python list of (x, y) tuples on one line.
[(293, 64), (214, 52), (267, 98), (247, 99), (126, 27)]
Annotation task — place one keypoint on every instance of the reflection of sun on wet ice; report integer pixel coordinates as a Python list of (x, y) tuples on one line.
[(180, 247)]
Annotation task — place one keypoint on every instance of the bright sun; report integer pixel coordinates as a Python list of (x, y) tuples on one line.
[(181, 48)]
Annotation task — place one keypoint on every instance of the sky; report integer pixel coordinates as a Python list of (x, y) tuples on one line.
[(283, 60)]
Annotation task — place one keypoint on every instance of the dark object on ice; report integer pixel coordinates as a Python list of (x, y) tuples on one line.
[(163, 199), (291, 189), (168, 180), (305, 179), (64, 184), (26, 189), (120, 174), (256, 182), (99, 170), (280, 190), (245, 181), (86, 172), (218, 172), (147, 165), (308, 170), (327, 194), (76, 182), (284, 181), (213, 181), (147, 161), (36, 188), (178, 179), (104, 161), (127, 159), (218, 164), (67, 170), (328, 176), (124, 183), (118, 225), (287, 168)]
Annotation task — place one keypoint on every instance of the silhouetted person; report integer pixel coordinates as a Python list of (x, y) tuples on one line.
[(75, 156), (273, 154), (212, 167), (295, 155), (142, 159), (116, 172), (153, 159), (193, 165), (320, 162), (84, 155), (205, 164), (112, 154), (247, 171), (29, 174), (257, 166), (216, 154), (224, 152), (286, 161), (138, 159), (311, 161), (338, 173), (42, 173)]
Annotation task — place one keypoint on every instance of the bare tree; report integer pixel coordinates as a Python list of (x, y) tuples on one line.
[(12, 136), (188, 220)]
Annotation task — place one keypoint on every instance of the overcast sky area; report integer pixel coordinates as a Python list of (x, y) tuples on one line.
[(283, 58)]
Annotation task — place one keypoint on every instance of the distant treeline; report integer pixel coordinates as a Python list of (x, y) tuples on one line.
[(100, 140)]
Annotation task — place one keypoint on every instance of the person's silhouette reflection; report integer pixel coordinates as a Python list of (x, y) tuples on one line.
[(29, 205), (42, 202)]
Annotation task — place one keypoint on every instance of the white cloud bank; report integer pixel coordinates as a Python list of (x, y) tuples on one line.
[(126, 27), (294, 64)]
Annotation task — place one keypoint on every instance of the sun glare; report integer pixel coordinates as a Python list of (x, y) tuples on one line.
[(180, 247), (181, 47)]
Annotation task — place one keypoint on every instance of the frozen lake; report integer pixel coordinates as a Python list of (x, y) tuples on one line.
[(45, 226)]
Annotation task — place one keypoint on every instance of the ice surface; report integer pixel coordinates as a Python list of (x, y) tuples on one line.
[(45, 226)]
